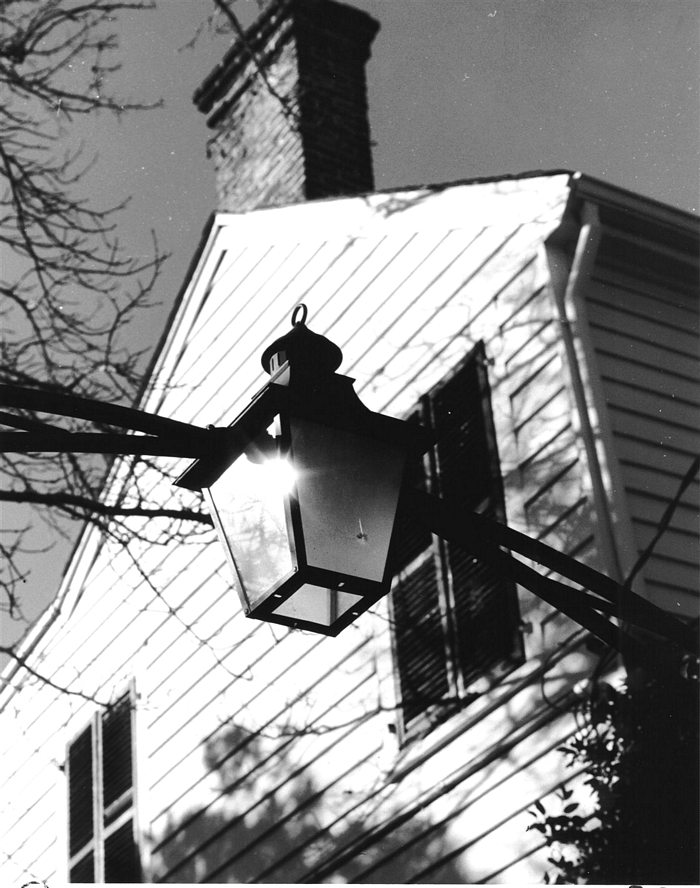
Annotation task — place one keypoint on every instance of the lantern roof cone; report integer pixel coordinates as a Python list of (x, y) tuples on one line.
[(303, 349)]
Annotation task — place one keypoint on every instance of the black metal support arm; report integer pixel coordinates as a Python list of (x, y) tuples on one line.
[(59, 404), (53, 441), (591, 606), (162, 436), (600, 598)]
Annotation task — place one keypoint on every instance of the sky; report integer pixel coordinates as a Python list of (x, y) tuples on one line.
[(457, 89)]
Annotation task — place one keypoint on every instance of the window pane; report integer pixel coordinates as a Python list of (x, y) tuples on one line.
[(80, 825), (121, 855), (116, 751)]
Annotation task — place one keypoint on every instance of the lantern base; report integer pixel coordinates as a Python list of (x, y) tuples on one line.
[(314, 607), (317, 604)]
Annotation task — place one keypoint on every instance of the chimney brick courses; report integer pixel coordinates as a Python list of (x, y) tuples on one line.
[(301, 131)]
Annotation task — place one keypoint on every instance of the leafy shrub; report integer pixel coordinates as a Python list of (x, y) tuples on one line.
[(639, 748)]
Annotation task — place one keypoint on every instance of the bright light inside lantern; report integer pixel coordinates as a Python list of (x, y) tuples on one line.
[(248, 501), (274, 476)]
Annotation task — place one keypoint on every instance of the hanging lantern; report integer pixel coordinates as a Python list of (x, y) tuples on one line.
[(304, 488)]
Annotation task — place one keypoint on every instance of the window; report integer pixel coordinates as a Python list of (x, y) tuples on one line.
[(455, 619), (101, 827)]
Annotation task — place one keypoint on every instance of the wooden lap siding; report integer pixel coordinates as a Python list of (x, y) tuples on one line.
[(642, 305)]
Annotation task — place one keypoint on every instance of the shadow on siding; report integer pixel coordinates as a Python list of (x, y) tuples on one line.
[(277, 820)]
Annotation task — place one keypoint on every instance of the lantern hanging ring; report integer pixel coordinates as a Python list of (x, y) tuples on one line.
[(300, 309)]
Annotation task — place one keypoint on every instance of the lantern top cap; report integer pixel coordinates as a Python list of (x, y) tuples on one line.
[(302, 348)]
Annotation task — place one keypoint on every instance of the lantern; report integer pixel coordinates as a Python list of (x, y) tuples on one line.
[(303, 489)]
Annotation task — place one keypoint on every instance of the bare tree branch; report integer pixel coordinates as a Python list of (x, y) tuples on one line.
[(68, 288), (45, 679), (91, 506)]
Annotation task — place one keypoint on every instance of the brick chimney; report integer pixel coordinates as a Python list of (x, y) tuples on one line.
[(291, 119)]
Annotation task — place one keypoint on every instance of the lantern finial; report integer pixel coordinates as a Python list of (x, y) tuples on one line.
[(303, 349)]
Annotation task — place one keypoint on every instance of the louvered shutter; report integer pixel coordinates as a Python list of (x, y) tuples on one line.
[(455, 618), (418, 624), (419, 642), (465, 467), (484, 605), (121, 859), (117, 770), (485, 637), (411, 538), (83, 872), (121, 855), (80, 792)]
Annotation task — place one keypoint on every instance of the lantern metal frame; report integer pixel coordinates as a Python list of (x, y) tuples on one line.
[(306, 390)]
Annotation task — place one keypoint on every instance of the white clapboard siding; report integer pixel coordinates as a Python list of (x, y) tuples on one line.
[(643, 321), (460, 793), (269, 773)]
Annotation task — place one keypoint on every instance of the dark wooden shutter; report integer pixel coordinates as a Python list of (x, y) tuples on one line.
[(419, 641), (117, 767), (465, 467), (483, 617), (484, 606), (121, 855), (418, 628), (80, 792), (84, 871), (411, 538), (455, 618), (121, 858)]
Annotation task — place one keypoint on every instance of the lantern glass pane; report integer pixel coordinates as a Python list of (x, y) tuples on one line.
[(317, 605), (347, 489), (248, 500)]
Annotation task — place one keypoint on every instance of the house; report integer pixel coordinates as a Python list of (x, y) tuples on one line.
[(544, 326)]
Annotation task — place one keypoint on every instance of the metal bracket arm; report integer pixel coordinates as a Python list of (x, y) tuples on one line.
[(485, 539)]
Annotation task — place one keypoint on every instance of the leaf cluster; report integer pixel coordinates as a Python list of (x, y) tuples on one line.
[(638, 746)]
